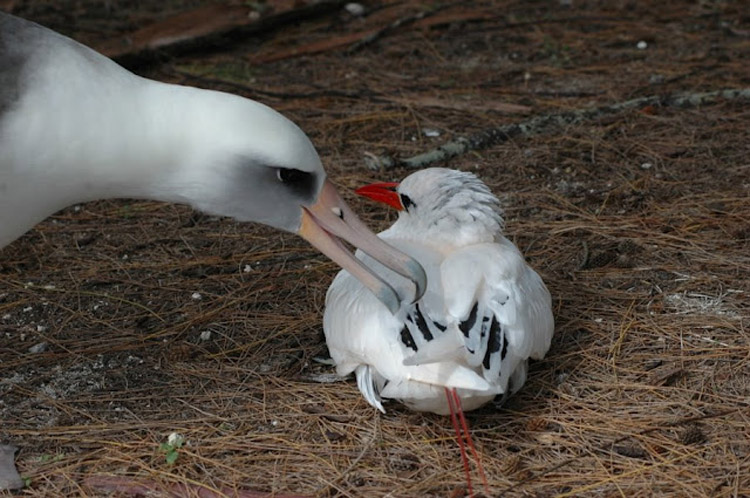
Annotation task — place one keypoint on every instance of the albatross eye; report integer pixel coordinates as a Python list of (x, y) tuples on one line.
[(292, 176)]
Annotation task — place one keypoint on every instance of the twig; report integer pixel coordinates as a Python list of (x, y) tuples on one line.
[(182, 34), (540, 124), (402, 21)]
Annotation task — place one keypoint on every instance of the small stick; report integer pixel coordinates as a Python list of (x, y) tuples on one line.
[(402, 21), (535, 126)]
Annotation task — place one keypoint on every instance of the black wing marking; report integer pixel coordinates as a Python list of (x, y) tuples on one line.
[(407, 339), (468, 324), (493, 343), (419, 328), (422, 324)]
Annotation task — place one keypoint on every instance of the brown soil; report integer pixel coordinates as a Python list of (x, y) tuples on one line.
[(639, 223)]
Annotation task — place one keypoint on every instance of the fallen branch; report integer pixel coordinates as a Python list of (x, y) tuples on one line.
[(541, 124), (207, 28)]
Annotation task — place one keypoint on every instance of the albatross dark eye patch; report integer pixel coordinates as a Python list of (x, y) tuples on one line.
[(292, 176), (300, 182)]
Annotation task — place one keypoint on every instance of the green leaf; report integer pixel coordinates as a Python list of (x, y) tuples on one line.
[(172, 457)]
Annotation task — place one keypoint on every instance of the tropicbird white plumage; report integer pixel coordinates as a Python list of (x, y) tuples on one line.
[(485, 311)]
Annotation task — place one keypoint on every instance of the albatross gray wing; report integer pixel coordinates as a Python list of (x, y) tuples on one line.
[(12, 59)]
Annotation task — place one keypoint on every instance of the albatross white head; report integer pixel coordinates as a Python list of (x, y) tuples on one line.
[(257, 165)]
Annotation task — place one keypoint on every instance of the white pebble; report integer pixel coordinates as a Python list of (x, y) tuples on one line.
[(205, 335), (647, 166), (38, 348), (430, 132), (175, 439), (247, 269), (355, 9), (197, 296), (642, 45)]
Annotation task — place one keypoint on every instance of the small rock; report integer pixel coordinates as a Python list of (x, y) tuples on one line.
[(647, 166), (655, 79), (205, 335), (196, 296), (175, 440), (642, 45), (9, 478), (38, 348), (355, 9)]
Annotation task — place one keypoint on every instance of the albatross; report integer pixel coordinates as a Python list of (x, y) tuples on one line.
[(76, 127), (468, 339)]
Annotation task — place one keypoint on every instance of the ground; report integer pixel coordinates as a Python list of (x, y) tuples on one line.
[(122, 321)]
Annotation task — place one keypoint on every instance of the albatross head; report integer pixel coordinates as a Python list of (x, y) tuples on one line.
[(261, 167)]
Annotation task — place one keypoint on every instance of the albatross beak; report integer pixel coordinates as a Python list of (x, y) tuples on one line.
[(330, 218)]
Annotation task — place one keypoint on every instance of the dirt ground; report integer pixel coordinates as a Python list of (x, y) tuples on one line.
[(122, 322)]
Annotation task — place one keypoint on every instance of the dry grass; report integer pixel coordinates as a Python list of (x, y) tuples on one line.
[(639, 225)]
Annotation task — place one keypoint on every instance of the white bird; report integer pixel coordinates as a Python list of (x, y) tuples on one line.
[(485, 311), (75, 127)]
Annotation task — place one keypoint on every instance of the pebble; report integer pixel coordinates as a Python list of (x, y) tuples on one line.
[(38, 348), (355, 9)]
